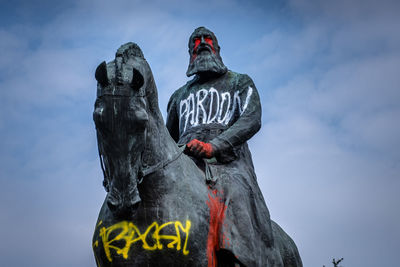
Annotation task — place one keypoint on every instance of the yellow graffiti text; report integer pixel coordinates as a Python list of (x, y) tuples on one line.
[(151, 238)]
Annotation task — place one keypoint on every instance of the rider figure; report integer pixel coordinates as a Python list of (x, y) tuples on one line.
[(215, 113)]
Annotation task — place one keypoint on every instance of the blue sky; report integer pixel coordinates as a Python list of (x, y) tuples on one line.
[(327, 156)]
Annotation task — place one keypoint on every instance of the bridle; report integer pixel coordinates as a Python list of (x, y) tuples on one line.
[(143, 170)]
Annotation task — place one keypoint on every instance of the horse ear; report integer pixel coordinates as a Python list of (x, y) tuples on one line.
[(101, 74), (137, 79)]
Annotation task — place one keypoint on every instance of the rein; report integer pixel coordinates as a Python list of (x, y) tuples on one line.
[(143, 172)]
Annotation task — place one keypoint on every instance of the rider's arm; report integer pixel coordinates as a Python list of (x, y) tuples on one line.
[(246, 125), (173, 119)]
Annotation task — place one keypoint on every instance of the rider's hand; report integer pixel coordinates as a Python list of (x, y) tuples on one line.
[(200, 149)]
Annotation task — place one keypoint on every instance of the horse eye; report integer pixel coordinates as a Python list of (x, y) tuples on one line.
[(137, 80)]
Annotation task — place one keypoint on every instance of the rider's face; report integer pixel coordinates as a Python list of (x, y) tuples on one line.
[(202, 42)]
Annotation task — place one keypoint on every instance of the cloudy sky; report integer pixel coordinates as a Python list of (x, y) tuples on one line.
[(327, 156)]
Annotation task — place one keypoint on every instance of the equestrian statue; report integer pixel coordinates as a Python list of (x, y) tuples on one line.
[(182, 193)]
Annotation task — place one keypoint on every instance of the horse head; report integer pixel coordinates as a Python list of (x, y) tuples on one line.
[(121, 119)]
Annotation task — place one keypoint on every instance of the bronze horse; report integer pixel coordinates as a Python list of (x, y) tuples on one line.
[(158, 208)]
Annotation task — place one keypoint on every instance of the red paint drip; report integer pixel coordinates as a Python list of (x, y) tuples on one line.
[(196, 43), (210, 42), (217, 216)]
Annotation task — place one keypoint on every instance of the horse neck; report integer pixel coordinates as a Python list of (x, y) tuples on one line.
[(159, 144)]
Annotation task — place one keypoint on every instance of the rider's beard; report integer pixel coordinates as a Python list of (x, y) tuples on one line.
[(206, 62)]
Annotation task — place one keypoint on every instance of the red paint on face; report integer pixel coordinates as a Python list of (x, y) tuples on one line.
[(197, 42), (209, 41), (217, 216)]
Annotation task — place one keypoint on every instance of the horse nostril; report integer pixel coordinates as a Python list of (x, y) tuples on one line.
[(132, 200), (134, 203), (141, 116), (112, 204)]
